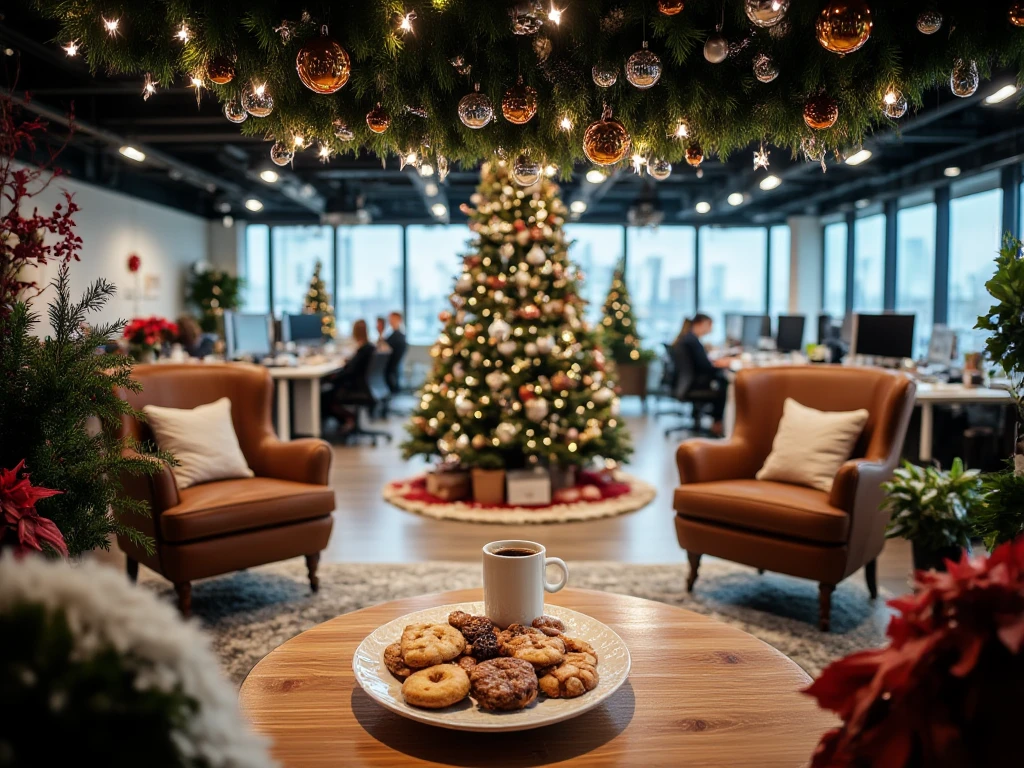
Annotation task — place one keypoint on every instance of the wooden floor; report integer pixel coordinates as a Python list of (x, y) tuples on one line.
[(367, 529)]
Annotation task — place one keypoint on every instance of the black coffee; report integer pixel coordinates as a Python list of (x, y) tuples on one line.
[(514, 552)]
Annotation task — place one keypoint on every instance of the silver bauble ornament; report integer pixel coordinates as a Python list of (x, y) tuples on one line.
[(499, 330), (281, 154), (929, 22), (526, 171), (764, 68), (505, 432), (536, 257), (536, 409), (604, 76), (765, 13), (894, 105), (964, 78), (716, 49), (235, 112), (643, 69), (475, 109), (659, 169), (526, 17), (257, 101), (342, 131)]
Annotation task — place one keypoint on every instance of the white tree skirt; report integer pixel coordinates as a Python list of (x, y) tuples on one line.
[(640, 494)]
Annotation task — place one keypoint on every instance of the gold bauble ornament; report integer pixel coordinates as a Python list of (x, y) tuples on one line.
[(821, 112), (670, 7), (929, 21), (479, 442), (606, 141), (519, 104), (1016, 14), (694, 155), (765, 13), (220, 70), (323, 65), (844, 26), (377, 119)]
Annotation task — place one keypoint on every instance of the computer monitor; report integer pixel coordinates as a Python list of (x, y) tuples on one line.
[(790, 337), (247, 335), (826, 329), (755, 328), (302, 329), (890, 336), (733, 328), (942, 345), (846, 330)]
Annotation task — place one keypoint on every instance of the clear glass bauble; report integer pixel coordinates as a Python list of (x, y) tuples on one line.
[(604, 76), (764, 68), (659, 169), (643, 69), (342, 131), (475, 109), (281, 154), (964, 80), (765, 13), (257, 101), (526, 171), (235, 112)]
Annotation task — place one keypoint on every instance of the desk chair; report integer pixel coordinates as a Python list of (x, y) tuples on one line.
[(699, 400), (667, 384), (374, 393)]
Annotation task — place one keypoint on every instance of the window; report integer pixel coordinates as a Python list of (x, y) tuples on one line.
[(834, 297), (296, 252), (915, 270), (732, 274), (660, 275), (596, 249), (778, 288), (974, 236), (256, 293), (869, 264), (369, 275), (435, 261)]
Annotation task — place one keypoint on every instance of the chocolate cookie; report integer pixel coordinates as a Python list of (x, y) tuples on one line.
[(436, 687), (424, 645), (504, 684), (471, 627)]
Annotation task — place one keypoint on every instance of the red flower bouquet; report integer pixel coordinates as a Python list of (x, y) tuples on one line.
[(146, 334), (22, 525), (949, 688)]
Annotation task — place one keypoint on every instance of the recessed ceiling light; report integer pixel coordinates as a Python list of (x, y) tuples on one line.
[(224, 207), (132, 153), (439, 210), (431, 189), (253, 205), (426, 170), (736, 198), (1001, 95), (952, 172), (228, 221), (862, 203), (703, 207), (858, 158), (270, 176), (578, 206), (770, 182), (596, 176)]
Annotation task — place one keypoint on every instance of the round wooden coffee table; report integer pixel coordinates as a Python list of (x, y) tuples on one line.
[(700, 693)]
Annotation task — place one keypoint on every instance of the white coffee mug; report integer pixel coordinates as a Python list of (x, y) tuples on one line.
[(515, 582)]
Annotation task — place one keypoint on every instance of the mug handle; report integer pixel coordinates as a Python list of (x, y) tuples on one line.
[(556, 561)]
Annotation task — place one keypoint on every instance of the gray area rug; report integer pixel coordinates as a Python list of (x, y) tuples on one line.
[(250, 613)]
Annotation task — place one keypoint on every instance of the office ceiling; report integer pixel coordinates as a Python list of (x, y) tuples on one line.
[(197, 161)]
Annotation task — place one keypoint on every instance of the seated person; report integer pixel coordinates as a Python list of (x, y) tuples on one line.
[(193, 340), (396, 341), (708, 375), (350, 381)]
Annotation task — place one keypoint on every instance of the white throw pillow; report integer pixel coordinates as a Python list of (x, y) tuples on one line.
[(202, 439), (811, 445)]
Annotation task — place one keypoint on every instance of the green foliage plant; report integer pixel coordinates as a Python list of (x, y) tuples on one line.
[(213, 292)]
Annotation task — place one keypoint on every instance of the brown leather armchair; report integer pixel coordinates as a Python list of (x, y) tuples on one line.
[(722, 510), (227, 525)]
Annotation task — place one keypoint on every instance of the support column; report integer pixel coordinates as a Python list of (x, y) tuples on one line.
[(806, 265), (941, 305), (891, 237), (851, 259), (1010, 178)]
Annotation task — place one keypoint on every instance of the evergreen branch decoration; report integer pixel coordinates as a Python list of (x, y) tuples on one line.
[(724, 105)]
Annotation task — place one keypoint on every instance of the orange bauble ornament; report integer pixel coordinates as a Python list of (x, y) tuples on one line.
[(606, 141), (323, 65), (378, 119), (519, 104), (1016, 14), (844, 26), (694, 155), (670, 7), (821, 112), (220, 70)]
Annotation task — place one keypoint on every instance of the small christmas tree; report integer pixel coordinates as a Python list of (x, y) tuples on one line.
[(318, 302), (618, 328), (518, 376)]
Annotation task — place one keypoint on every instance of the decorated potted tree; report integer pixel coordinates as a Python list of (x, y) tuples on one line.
[(213, 292), (621, 340), (318, 302)]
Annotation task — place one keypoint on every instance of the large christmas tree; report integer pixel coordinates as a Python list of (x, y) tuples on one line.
[(519, 377), (619, 334), (318, 301)]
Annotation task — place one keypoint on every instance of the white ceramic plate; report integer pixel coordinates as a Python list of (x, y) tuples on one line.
[(373, 676)]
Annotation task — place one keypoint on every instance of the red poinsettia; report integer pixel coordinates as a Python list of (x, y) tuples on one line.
[(949, 688), (150, 331), (21, 521)]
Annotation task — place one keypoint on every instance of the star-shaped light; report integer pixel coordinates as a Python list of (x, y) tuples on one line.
[(324, 153), (71, 49), (111, 26), (638, 161), (555, 14), (196, 81), (761, 158), (182, 34), (149, 87), (406, 23)]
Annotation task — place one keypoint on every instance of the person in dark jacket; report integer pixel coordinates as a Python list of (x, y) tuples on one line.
[(396, 341), (708, 375), (350, 381)]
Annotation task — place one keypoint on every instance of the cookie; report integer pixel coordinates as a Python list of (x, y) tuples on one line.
[(484, 647), (424, 645), (471, 627), (395, 663), (535, 647), (575, 645), (436, 687), (549, 625), (504, 684), (573, 677), (466, 662)]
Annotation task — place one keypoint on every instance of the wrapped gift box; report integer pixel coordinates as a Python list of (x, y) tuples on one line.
[(528, 487), (449, 486), (489, 486)]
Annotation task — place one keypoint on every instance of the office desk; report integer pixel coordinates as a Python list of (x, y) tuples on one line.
[(307, 398), (930, 395)]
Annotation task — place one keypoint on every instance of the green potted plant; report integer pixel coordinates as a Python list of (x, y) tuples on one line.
[(213, 292), (621, 340), (933, 509)]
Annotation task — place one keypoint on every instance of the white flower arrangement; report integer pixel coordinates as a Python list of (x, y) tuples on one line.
[(159, 652)]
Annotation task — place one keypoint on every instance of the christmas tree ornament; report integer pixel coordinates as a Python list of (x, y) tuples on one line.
[(496, 380), (506, 432), (764, 68), (530, 349), (536, 257), (844, 26), (464, 406), (526, 392), (894, 104), (519, 104), (694, 155), (765, 13), (670, 7), (604, 76), (659, 169), (527, 17), (643, 68), (530, 312), (257, 101), (475, 110), (821, 112), (459, 62), (929, 21), (419, 111), (220, 70), (761, 158), (537, 409), (464, 284), (499, 330), (281, 154), (1016, 14), (462, 442), (234, 111), (526, 171), (813, 150), (507, 348), (479, 442), (442, 168), (716, 49), (606, 141), (964, 80), (323, 65), (377, 119), (506, 251), (341, 130), (545, 344)]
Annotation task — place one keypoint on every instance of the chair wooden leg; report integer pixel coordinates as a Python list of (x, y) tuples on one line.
[(871, 577), (132, 569), (825, 606), (760, 571), (312, 561), (184, 590), (691, 579)]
